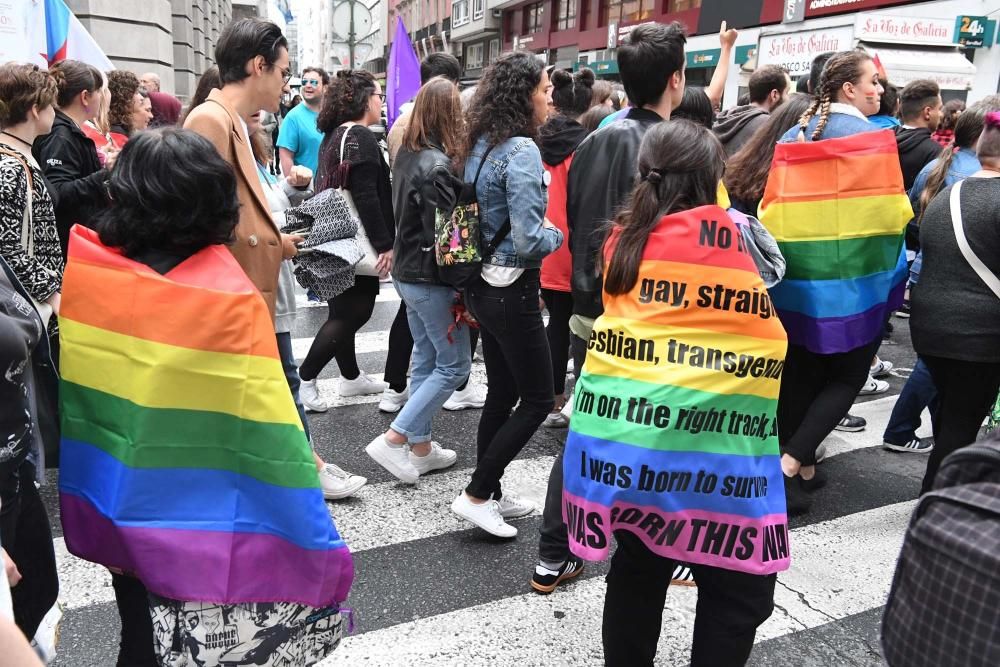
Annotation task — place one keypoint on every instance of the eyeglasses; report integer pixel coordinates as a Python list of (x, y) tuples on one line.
[(286, 73), (381, 96), (310, 82)]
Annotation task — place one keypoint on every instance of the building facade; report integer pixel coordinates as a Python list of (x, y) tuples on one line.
[(174, 38), (912, 39)]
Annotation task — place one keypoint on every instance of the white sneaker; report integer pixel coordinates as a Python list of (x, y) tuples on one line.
[(362, 385), (393, 401), (874, 386), (555, 420), (881, 368), (309, 395), (473, 396), (567, 410), (337, 483), (394, 459), (512, 507), (486, 516), (438, 459)]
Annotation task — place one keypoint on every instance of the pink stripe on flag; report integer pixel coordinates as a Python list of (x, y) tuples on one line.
[(218, 567), (753, 545)]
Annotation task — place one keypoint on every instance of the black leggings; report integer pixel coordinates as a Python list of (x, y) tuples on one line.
[(560, 307), (817, 390), (136, 647), (349, 311), (397, 361)]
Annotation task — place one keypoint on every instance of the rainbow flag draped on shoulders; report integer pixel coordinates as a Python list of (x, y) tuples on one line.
[(183, 458), (838, 210), (674, 435)]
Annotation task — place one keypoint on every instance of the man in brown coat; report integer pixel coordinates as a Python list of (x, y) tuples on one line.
[(252, 56)]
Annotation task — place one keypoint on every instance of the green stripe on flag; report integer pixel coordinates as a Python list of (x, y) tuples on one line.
[(143, 437), (840, 259), (596, 414)]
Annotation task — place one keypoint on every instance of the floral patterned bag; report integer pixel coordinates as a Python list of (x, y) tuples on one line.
[(458, 248)]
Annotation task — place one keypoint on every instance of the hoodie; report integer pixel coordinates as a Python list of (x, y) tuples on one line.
[(916, 149), (557, 141), (735, 126)]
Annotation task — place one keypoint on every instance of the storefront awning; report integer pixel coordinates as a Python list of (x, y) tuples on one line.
[(946, 66)]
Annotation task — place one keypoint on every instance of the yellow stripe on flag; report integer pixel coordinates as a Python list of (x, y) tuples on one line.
[(157, 375), (832, 219), (700, 365)]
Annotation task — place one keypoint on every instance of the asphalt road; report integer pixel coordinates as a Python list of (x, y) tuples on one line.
[(431, 591)]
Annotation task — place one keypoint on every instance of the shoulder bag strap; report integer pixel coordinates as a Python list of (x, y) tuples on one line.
[(963, 243), (343, 139), (504, 230), (27, 238)]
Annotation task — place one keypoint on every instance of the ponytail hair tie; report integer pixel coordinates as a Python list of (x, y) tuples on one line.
[(992, 120), (654, 176)]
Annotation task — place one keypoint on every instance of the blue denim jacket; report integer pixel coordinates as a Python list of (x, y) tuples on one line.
[(511, 185)]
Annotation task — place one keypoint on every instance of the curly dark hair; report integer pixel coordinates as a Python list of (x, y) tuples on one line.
[(123, 86), (170, 190), (502, 106), (346, 99)]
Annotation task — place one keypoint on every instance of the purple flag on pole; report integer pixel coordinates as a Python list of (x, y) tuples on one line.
[(403, 77)]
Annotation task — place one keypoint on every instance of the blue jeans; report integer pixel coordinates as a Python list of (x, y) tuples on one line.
[(918, 393), (438, 365), (292, 374)]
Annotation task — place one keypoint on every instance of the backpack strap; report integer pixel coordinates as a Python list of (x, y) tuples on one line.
[(977, 265)]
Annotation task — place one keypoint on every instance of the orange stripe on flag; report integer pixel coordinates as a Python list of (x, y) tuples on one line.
[(847, 176)]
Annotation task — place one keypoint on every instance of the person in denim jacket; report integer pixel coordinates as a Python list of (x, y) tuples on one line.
[(511, 102)]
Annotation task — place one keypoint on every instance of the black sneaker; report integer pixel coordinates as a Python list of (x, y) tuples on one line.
[(682, 576), (545, 580), (797, 501), (904, 311), (851, 424), (817, 482), (915, 446)]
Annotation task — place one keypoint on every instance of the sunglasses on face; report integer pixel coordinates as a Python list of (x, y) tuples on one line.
[(310, 82)]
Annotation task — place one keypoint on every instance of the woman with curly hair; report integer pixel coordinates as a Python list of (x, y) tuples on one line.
[(352, 102), (505, 164), (124, 87)]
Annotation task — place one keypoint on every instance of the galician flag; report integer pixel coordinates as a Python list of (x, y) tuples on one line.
[(403, 77), (54, 34)]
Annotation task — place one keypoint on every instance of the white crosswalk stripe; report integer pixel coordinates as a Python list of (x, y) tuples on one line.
[(832, 577)]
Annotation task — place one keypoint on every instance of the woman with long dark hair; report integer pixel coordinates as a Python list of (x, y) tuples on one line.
[(68, 157), (510, 104), (424, 183), (747, 169), (352, 102), (636, 361)]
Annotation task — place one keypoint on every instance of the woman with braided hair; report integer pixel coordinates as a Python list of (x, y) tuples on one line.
[(829, 354)]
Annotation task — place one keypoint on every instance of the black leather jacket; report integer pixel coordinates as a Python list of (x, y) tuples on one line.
[(600, 178), (422, 182)]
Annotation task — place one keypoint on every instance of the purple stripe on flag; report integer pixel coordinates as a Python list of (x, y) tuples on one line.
[(832, 335), (219, 567)]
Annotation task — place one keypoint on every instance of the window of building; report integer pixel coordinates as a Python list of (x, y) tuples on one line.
[(566, 14), (459, 13), (477, 9), (611, 11), (682, 5), (533, 17), (494, 51), (474, 56), (636, 10)]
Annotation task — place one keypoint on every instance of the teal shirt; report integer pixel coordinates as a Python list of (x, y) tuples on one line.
[(298, 134)]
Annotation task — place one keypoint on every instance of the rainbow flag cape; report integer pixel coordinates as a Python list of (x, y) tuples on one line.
[(673, 435), (838, 210), (183, 457)]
